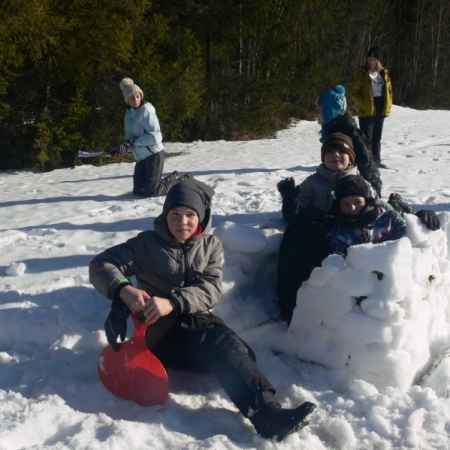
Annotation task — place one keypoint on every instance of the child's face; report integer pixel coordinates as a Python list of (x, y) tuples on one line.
[(352, 205), (182, 222), (336, 160), (373, 63), (134, 100)]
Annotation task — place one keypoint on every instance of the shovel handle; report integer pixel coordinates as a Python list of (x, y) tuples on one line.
[(139, 327)]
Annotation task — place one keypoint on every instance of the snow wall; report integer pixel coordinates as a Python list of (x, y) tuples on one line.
[(393, 336), (402, 324)]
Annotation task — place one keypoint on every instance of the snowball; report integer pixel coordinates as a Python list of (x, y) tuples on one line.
[(341, 431), (380, 425), (362, 389), (16, 269)]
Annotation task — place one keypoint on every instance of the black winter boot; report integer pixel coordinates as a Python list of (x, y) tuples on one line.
[(173, 176), (272, 421), (186, 176)]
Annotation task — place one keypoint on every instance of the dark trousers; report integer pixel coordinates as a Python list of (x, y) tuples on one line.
[(372, 127), (218, 350), (304, 247), (147, 177)]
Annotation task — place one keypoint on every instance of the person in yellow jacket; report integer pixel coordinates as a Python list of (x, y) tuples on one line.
[(372, 92)]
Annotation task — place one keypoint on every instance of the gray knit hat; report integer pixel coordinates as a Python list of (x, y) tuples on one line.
[(128, 87), (191, 193)]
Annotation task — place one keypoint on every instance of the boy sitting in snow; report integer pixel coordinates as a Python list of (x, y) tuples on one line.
[(360, 219), (178, 267), (304, 244)]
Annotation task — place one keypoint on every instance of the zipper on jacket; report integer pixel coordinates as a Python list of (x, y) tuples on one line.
[(183, 258), (328, 202)]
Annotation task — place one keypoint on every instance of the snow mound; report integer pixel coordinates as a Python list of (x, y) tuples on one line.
[(381, 315)]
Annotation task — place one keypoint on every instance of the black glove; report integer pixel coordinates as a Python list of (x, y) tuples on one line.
[(124, 147), (116, 323), (317, 215), (397, 202), (288, 189), (429, 219)]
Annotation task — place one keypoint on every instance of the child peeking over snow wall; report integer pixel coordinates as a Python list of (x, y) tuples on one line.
[(382, 314), (307, 209), (360, 219)]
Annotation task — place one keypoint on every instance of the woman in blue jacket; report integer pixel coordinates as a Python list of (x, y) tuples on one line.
[(143, 138)]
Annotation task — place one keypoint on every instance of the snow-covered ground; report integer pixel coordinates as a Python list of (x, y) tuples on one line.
[(51, 318)]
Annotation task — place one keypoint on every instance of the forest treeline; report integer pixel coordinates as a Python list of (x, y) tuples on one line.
[(214, 69)]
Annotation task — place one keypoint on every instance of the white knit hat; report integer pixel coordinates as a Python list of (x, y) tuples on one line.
[(128, 88)]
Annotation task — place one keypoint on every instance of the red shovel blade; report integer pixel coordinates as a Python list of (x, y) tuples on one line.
[(134, 373)]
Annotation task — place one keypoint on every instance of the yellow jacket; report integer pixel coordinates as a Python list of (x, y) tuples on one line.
[(361, 93)]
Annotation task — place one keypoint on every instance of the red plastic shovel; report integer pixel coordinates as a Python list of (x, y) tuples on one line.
[(134, 373)]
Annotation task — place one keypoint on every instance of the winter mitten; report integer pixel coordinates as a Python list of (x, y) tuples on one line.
[(124, 147), (429, 219), (288, 189), (116, 324), (397, 202)]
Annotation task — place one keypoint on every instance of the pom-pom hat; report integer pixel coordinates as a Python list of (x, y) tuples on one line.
[(128, 88), (333, 102)]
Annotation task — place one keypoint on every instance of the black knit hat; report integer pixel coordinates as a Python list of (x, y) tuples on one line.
[(374, 52), (351, 185), (191, 193), (338, 141)]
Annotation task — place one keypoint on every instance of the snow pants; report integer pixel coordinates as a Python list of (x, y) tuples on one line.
[(372, 127), (211, 347), (304, 247), (147, 180)]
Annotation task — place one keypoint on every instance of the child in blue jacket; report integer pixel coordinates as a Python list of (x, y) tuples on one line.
[(143, 139)]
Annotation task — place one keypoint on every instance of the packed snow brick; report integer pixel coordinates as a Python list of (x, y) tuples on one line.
[(382, 314)]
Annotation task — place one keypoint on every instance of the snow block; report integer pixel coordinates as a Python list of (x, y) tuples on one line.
[(381, 315)]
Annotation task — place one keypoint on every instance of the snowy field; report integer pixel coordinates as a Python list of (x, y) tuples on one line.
[(378, 372)]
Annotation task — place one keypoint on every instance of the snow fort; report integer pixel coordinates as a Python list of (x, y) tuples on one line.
[(382, 314)]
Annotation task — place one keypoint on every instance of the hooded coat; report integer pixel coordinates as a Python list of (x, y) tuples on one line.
[(188, 274)]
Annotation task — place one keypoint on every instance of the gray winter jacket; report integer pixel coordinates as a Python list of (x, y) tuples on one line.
[(190, 274), (317, 191)]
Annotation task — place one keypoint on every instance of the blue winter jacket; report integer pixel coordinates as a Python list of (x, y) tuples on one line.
[(142, 125)]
